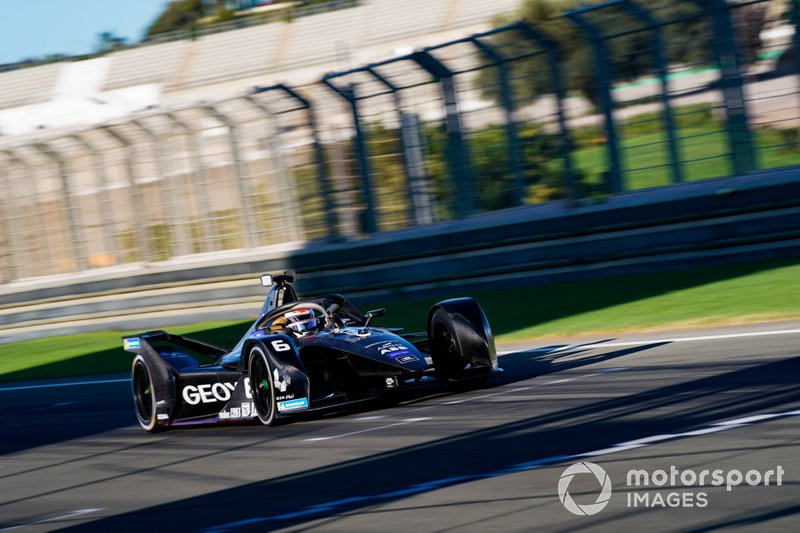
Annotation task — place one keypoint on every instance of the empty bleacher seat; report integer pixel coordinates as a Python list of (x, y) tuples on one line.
[(470, 12), (390, 19), (323, 38), (28, 85), (147, 64), (235, 53)]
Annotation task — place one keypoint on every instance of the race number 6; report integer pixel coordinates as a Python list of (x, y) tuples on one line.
[(280, 346)]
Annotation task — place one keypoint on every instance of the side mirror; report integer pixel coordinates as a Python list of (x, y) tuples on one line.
[(375, 313)]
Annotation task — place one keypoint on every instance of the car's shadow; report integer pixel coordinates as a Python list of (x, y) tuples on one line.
[(518, 366)]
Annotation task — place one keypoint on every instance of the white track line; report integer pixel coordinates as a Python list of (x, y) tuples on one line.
[(73, 514), (70, 384), (351, 433), (43, 408), (658, 341)]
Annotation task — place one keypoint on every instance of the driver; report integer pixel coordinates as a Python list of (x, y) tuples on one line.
[(301, 321)]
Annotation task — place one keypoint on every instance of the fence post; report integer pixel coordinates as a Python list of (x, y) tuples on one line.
[(245, 211), (457, 153), (105, 199), (36, 208), (209, 237), (662, 70), (319, 154), (602, 67), (553, 54), (418, 201), (171, 197), (139, 214), (13, 248), (76, 244), (507, 98), (795, 18), (739, 135), (289, 211), (368, 224)]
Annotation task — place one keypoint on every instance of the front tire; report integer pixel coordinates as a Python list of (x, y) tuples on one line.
[(144, 396), (445, 350), (261, 387), (461, 342)]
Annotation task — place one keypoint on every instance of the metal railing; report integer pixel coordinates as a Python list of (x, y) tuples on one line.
[(602, 100)]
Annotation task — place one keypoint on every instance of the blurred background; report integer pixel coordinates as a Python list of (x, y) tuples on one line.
[(235, 130)]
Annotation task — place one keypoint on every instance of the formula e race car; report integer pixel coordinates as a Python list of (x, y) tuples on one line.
[(303, 354)]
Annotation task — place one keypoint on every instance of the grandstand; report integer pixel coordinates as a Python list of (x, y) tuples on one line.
[(226, 64)]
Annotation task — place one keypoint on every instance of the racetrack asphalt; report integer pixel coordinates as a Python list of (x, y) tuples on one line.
[(436, 460)]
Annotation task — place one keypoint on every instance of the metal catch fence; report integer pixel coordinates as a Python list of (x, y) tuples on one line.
[(597, 100)]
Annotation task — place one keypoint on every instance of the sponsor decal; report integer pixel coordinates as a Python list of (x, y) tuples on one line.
[(212, 392), (245, 410), (406, 359), (133, 344), (392, 349), (290, 405), (391, 382), (281, 382), (162, 416), (284, 397)]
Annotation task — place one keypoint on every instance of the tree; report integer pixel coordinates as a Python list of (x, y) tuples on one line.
[(686, 31), (179, 15), (108, 42)]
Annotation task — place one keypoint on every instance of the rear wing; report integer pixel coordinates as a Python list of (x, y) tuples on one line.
[(141, 343)]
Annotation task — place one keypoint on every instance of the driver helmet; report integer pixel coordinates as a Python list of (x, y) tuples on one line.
[(301, 321)]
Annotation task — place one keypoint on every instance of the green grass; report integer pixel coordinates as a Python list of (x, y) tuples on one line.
[(704, 151), (740, 293), (94, 353)]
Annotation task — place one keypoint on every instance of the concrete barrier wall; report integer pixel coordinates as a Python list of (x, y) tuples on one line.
[(695, 224)]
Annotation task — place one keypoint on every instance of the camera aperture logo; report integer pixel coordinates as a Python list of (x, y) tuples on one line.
[(603, 498)]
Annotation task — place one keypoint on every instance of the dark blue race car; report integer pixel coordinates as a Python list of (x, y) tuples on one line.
[(303, 354)]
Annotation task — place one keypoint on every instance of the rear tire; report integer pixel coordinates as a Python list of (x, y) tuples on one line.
[(144, 397), (261, 387)]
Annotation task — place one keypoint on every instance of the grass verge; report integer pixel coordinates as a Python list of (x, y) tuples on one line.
[(748, 292)]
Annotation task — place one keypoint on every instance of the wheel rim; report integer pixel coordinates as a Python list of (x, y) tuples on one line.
[(143, 393), (444, 341), (445, 351), (260, 379)]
